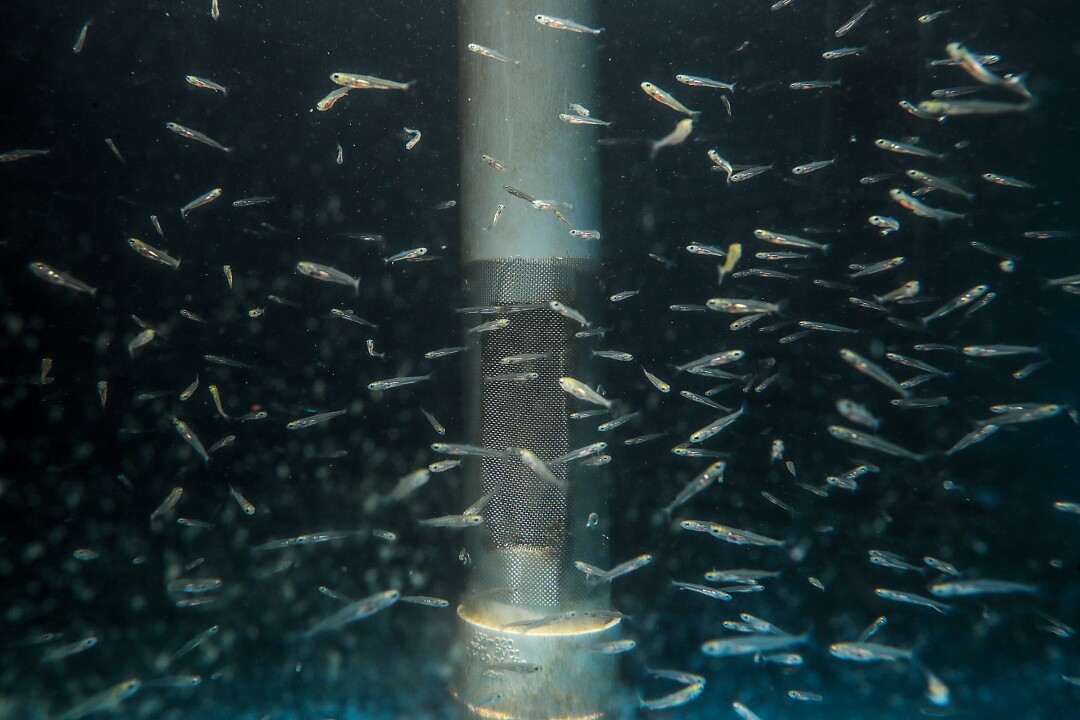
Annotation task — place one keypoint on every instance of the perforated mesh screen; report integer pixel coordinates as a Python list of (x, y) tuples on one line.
[(532, 529)]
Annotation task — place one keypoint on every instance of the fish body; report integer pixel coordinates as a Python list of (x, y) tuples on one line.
[(61, 279), (564, 24), (196, 136), (367, 82)]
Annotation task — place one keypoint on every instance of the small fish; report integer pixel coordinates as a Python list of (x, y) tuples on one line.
[(939, 184), (624, 295), (581, 120), (931, 17), (703, 590), (747, 173), (582, 391), (141, 340), (743, 537), (462, 449), (327, 274), (245, 506), (812, 166), (695, 81), (872, 442), (843, 53), (872, 370), (567, 312), (61, 279), (904, 148), (453, 521), (22, 154), (961, 300), (64, 651), (206, 198), (676, 699), (357, 610), (256, 200), (975, 436), (105, 700), (331, 98), (879, 267), (1006, 181), (912, 599), (814, 84), (206, 84), (743, 306), (314, 420), (152, 253), (656, 382), (751, 644), (887, 224), (850, 24), (190, 438), (734, 254), (80, 39), (665, 98), (564, 24), (443, 352), (489, 53), (411, 254), (389, 384), (986, 351), (805, 696), (958, 108), (616, 647), (676, 137), (197, 136), (215, 9), (918, 112), (168, 503), (367, 82), (216, 395), (790, 240), (116, 151), (868, 652), (539, 468), (489, 326)]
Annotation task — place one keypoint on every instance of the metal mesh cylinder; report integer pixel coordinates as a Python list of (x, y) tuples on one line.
[(533, 529)]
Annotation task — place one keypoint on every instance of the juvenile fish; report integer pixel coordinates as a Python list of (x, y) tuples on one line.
[(205, 199), (391, 383), (872, 442), (60, 279), (912, 599), (489, 53), (581, 391), (104, 700), (868, 652), (903, 148), (358, 610), (564, 24), (665, 98), (190, 438), (314, 420), (751, 644), (676, 699), (368, 82), (966, 588), (197, 136)]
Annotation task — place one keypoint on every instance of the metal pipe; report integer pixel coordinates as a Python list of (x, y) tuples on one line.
[(527, 603)]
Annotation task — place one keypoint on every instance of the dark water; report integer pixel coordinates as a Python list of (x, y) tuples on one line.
[(75, 475)]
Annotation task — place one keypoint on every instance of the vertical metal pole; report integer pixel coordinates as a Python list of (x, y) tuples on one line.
[(523, 555)]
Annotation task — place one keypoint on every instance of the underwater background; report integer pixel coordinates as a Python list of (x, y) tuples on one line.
[(83, 466)]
